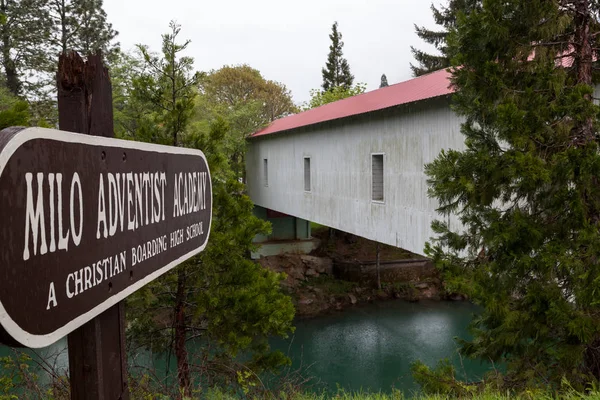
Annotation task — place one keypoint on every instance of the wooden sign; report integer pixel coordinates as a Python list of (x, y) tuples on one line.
[(85, 221)]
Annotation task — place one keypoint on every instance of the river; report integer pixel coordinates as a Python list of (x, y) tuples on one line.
[(369, 347)]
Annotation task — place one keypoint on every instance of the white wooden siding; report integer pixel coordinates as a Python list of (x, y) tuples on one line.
[(341, 163)]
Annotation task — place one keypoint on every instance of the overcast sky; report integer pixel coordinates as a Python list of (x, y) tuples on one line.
[(286, 41)]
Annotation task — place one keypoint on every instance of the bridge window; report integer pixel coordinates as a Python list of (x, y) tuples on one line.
[(377, 177), (266, 171), (307, 174)]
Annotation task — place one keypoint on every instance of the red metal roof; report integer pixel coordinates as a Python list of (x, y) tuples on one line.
[(424, 87)]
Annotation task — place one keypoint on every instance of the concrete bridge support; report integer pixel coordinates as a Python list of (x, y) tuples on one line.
[(289, 234)]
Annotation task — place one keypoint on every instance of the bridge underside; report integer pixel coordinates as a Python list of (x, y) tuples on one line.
[(289, 234)]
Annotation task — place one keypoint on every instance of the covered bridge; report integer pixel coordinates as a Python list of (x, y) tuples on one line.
[(357, 165)]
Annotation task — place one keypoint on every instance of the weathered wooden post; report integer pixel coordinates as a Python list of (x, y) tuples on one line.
[(377, 265), (97, 357), (85, 221)]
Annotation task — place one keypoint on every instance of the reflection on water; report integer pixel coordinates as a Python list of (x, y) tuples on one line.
[(372, 347)]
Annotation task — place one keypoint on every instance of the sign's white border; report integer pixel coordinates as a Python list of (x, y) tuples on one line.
[(21, 137)]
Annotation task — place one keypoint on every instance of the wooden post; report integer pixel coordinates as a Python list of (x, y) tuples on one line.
[(97, 357), (377, 263)]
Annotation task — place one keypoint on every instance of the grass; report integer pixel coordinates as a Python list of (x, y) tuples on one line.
[(397, 395), (314, 227), (330, 285)]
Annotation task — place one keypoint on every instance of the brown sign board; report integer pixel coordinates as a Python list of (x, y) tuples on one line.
[(85, 221)]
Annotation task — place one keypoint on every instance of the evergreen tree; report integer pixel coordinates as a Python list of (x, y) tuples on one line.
[(446, 18), (526, 188), (220, 295), (384, 82), (81, 25), (24, 29), (168, 88), (337, 71)]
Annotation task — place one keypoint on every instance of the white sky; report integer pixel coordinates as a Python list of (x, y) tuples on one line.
[(286, 41)]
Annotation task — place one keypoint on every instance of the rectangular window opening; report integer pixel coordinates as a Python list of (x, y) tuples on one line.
[(266, 171), (307, 174), (377, 179)]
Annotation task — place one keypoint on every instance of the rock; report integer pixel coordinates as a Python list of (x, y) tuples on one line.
[(311, 273), (304, 301), (381, 295), (352, 298), (296, 272), (422, 285), (320, 264)]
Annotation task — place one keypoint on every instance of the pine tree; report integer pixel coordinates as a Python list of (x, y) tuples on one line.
[(81, 25), (220, 295), (24, 28), (446, 18), (526, 188), (337, 71), (384, 82)]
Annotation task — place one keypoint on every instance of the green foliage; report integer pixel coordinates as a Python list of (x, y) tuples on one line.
[(218, 394), (319, 98), (81, 25), (230, 305), (525, 189), (23, 41), (32, 35), (17, 115), (446, 18), (13, 112), (440, 380), (20, 378), (247, 101), (235, 304), (245, 305), (332, 285), (132, 114), (337, 70), (167, 89)]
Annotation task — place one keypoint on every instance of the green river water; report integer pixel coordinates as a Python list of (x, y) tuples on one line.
[(369, 347)]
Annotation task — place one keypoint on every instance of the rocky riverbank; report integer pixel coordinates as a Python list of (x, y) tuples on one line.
[(342, 273), (315, 290)]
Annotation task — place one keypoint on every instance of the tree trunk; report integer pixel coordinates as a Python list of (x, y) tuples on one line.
[(584, 131), (592, 358), (10, 69), (183, 368), (12, 77), (377, 266)]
